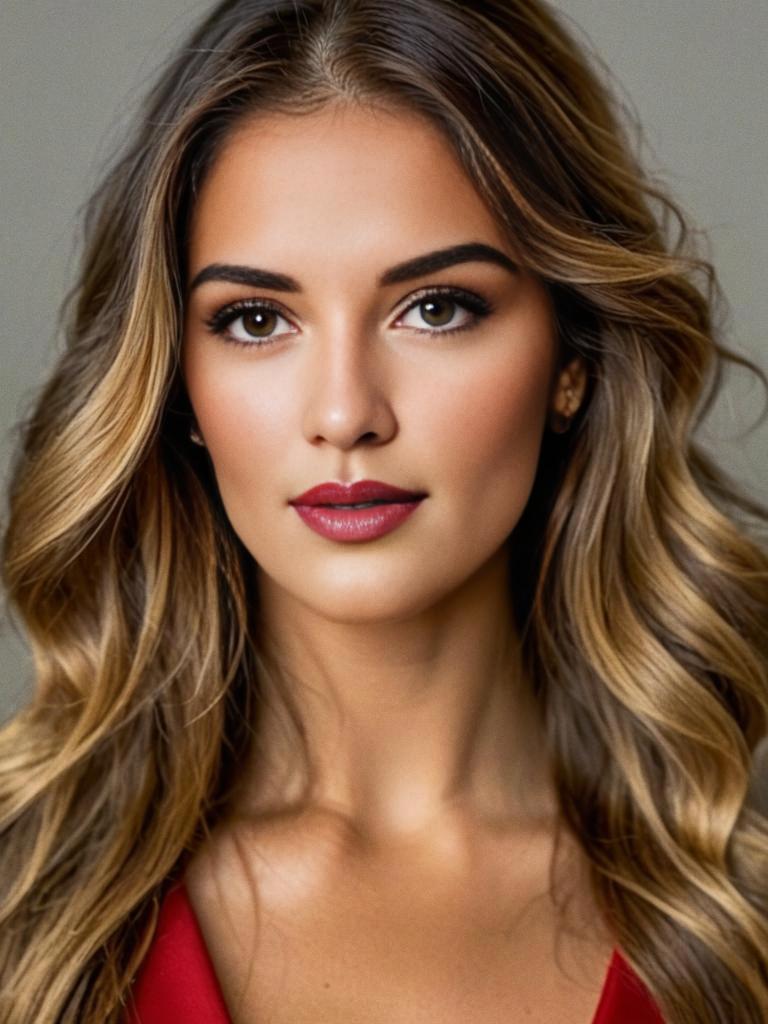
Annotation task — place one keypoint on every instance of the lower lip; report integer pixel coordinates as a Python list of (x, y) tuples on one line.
[(352, 524)]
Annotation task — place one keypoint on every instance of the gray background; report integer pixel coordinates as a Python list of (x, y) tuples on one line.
[(73, 70)]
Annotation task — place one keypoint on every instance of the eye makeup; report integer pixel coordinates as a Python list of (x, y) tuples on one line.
[(220, 322)]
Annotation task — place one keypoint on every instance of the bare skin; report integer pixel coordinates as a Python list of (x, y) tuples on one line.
[(407, 876)]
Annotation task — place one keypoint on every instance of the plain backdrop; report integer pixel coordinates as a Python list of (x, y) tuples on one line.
[(74, 70)]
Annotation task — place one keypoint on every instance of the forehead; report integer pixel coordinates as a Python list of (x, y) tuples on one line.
[(345, 178)]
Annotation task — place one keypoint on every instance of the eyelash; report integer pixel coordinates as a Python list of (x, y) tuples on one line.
[(474, 304)]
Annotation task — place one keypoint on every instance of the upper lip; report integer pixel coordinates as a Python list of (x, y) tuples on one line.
[(349, 494)]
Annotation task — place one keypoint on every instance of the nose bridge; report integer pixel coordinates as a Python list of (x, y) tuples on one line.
[(346, 389)]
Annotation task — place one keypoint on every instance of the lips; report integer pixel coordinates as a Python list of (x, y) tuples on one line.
[(360, 492)]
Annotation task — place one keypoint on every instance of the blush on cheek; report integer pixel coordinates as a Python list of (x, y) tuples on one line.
[(495, 438), (503, 413), (240, 411)]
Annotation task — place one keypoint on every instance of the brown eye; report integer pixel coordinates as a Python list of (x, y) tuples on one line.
[(255, 324), (437, 311), (443, 312), (259, 323)]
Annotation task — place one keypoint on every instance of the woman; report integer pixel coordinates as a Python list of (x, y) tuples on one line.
[(400, 654)]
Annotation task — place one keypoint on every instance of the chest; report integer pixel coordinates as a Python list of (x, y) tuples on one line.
[(302, 941)]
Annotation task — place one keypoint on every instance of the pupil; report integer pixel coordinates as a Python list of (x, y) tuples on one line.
[(435, 318), (259, 321)]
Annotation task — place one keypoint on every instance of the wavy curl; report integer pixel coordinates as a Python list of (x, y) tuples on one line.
[(641, 583)]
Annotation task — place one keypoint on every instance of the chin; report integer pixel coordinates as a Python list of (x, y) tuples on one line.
[(364, 598)]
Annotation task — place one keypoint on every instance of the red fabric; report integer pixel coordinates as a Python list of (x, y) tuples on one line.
[(177, 982), (624, 999)]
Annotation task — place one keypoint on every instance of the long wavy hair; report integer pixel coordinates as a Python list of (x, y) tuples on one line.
[(641, 570)]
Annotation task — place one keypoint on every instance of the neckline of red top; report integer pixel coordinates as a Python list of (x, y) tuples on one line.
[(177, 981)]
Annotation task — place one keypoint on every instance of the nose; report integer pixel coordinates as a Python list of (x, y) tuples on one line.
[(347, 395)]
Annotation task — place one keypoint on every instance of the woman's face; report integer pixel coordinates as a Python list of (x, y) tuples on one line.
[(349, 373)]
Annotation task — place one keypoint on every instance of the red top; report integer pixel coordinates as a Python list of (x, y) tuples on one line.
[(177, 981)]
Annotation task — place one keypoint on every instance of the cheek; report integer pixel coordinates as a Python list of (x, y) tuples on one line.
[(487, 430), (245, 428)]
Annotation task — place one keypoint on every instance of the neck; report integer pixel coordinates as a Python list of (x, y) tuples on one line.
[(406, 723)]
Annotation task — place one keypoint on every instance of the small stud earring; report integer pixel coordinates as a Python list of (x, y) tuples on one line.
[(194, 436)]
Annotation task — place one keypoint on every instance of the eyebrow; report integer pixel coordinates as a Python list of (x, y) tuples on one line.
[(418, 266)]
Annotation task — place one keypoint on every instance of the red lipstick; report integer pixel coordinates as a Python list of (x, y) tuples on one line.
[(329, 509)]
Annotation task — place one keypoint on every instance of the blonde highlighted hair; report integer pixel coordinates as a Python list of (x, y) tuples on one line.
[(641, 570)]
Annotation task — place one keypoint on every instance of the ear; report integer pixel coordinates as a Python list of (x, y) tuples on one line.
[(569, 388), (567, 394)]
